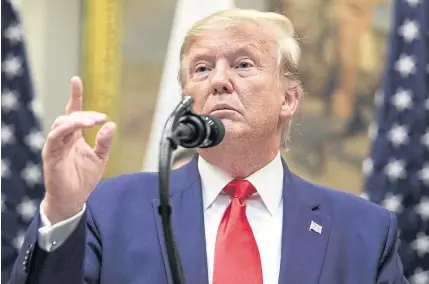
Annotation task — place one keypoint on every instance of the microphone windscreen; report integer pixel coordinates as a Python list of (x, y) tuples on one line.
[(217, 130)]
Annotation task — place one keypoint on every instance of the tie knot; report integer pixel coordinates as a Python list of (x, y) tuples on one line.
[(240, 188)]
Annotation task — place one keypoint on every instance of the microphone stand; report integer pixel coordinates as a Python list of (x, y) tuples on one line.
[(168, 143)]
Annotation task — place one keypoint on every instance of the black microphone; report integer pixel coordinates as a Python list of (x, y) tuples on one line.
[(186, 128), (199, 131)]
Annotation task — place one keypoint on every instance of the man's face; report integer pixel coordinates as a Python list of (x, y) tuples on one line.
[(232, 73)]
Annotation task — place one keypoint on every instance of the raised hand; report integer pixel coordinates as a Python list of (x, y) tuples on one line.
[(71, 167)]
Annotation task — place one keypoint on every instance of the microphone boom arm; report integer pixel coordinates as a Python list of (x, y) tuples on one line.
[(168, 143)]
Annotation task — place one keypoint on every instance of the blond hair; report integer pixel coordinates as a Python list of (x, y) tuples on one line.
[(278, 25)]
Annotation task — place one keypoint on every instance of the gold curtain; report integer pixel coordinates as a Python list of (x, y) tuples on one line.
[(101, 58)]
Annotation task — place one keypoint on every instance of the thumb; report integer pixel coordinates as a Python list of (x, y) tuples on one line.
[(104, 140)]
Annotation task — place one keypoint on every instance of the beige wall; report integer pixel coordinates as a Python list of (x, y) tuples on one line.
[(53, 38)]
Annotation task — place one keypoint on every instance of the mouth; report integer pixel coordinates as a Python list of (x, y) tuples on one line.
[(222, 108)]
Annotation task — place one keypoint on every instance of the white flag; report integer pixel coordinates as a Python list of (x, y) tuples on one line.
[(169, 95)]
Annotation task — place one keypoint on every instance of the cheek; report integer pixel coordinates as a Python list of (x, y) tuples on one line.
[(198, 105), (199, 93), (260, 97)]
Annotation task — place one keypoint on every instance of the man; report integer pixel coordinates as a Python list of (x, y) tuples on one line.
[(239, 214)]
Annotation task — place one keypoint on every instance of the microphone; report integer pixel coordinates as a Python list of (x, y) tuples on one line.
[(199, 131), (186, 128)]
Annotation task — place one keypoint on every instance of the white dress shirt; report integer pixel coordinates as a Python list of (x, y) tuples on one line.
[(264, 212)]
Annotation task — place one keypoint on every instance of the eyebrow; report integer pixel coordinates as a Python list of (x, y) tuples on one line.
[(201, 54), (206, 53)]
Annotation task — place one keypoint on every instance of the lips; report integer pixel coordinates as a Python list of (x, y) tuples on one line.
[(220, 107)]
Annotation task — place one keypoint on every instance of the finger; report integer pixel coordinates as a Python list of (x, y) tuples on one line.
[(98, 117), (76, 95), (92, 119), (56, 137), (59, 121), (104, 139)]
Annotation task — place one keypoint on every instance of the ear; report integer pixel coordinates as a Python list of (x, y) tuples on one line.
[(292, 94)]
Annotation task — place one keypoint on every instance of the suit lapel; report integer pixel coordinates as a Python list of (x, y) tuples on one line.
[(303, 250), (187, 222)]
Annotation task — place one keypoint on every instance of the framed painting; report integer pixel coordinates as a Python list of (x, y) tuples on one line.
[(343, 56)]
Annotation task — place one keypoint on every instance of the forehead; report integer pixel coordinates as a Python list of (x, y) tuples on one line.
[(244, 37)]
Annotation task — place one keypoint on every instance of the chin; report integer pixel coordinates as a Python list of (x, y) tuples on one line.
[(235, 130)]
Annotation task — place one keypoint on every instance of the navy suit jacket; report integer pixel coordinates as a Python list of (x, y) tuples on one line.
[(120, 240)]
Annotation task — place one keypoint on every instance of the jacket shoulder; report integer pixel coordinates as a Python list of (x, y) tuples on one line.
[(117, 192), (350, 209), (140, 187)]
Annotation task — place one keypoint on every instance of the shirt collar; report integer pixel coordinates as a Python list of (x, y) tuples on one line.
[(268, 182)]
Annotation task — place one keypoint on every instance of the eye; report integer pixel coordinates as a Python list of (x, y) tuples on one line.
[(244, 64), (200, 68)]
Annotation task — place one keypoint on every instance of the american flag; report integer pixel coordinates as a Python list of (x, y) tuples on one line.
[(397, 170), (21, 141)]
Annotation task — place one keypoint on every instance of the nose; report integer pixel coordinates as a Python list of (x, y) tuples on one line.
[(221, 80)]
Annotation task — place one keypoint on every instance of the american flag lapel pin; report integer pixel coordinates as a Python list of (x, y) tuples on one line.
[(315, 228)]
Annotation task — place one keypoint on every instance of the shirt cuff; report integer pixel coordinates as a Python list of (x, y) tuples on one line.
[(51, 236)]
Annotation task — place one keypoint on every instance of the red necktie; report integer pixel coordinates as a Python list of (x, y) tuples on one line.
[(237, 259)]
